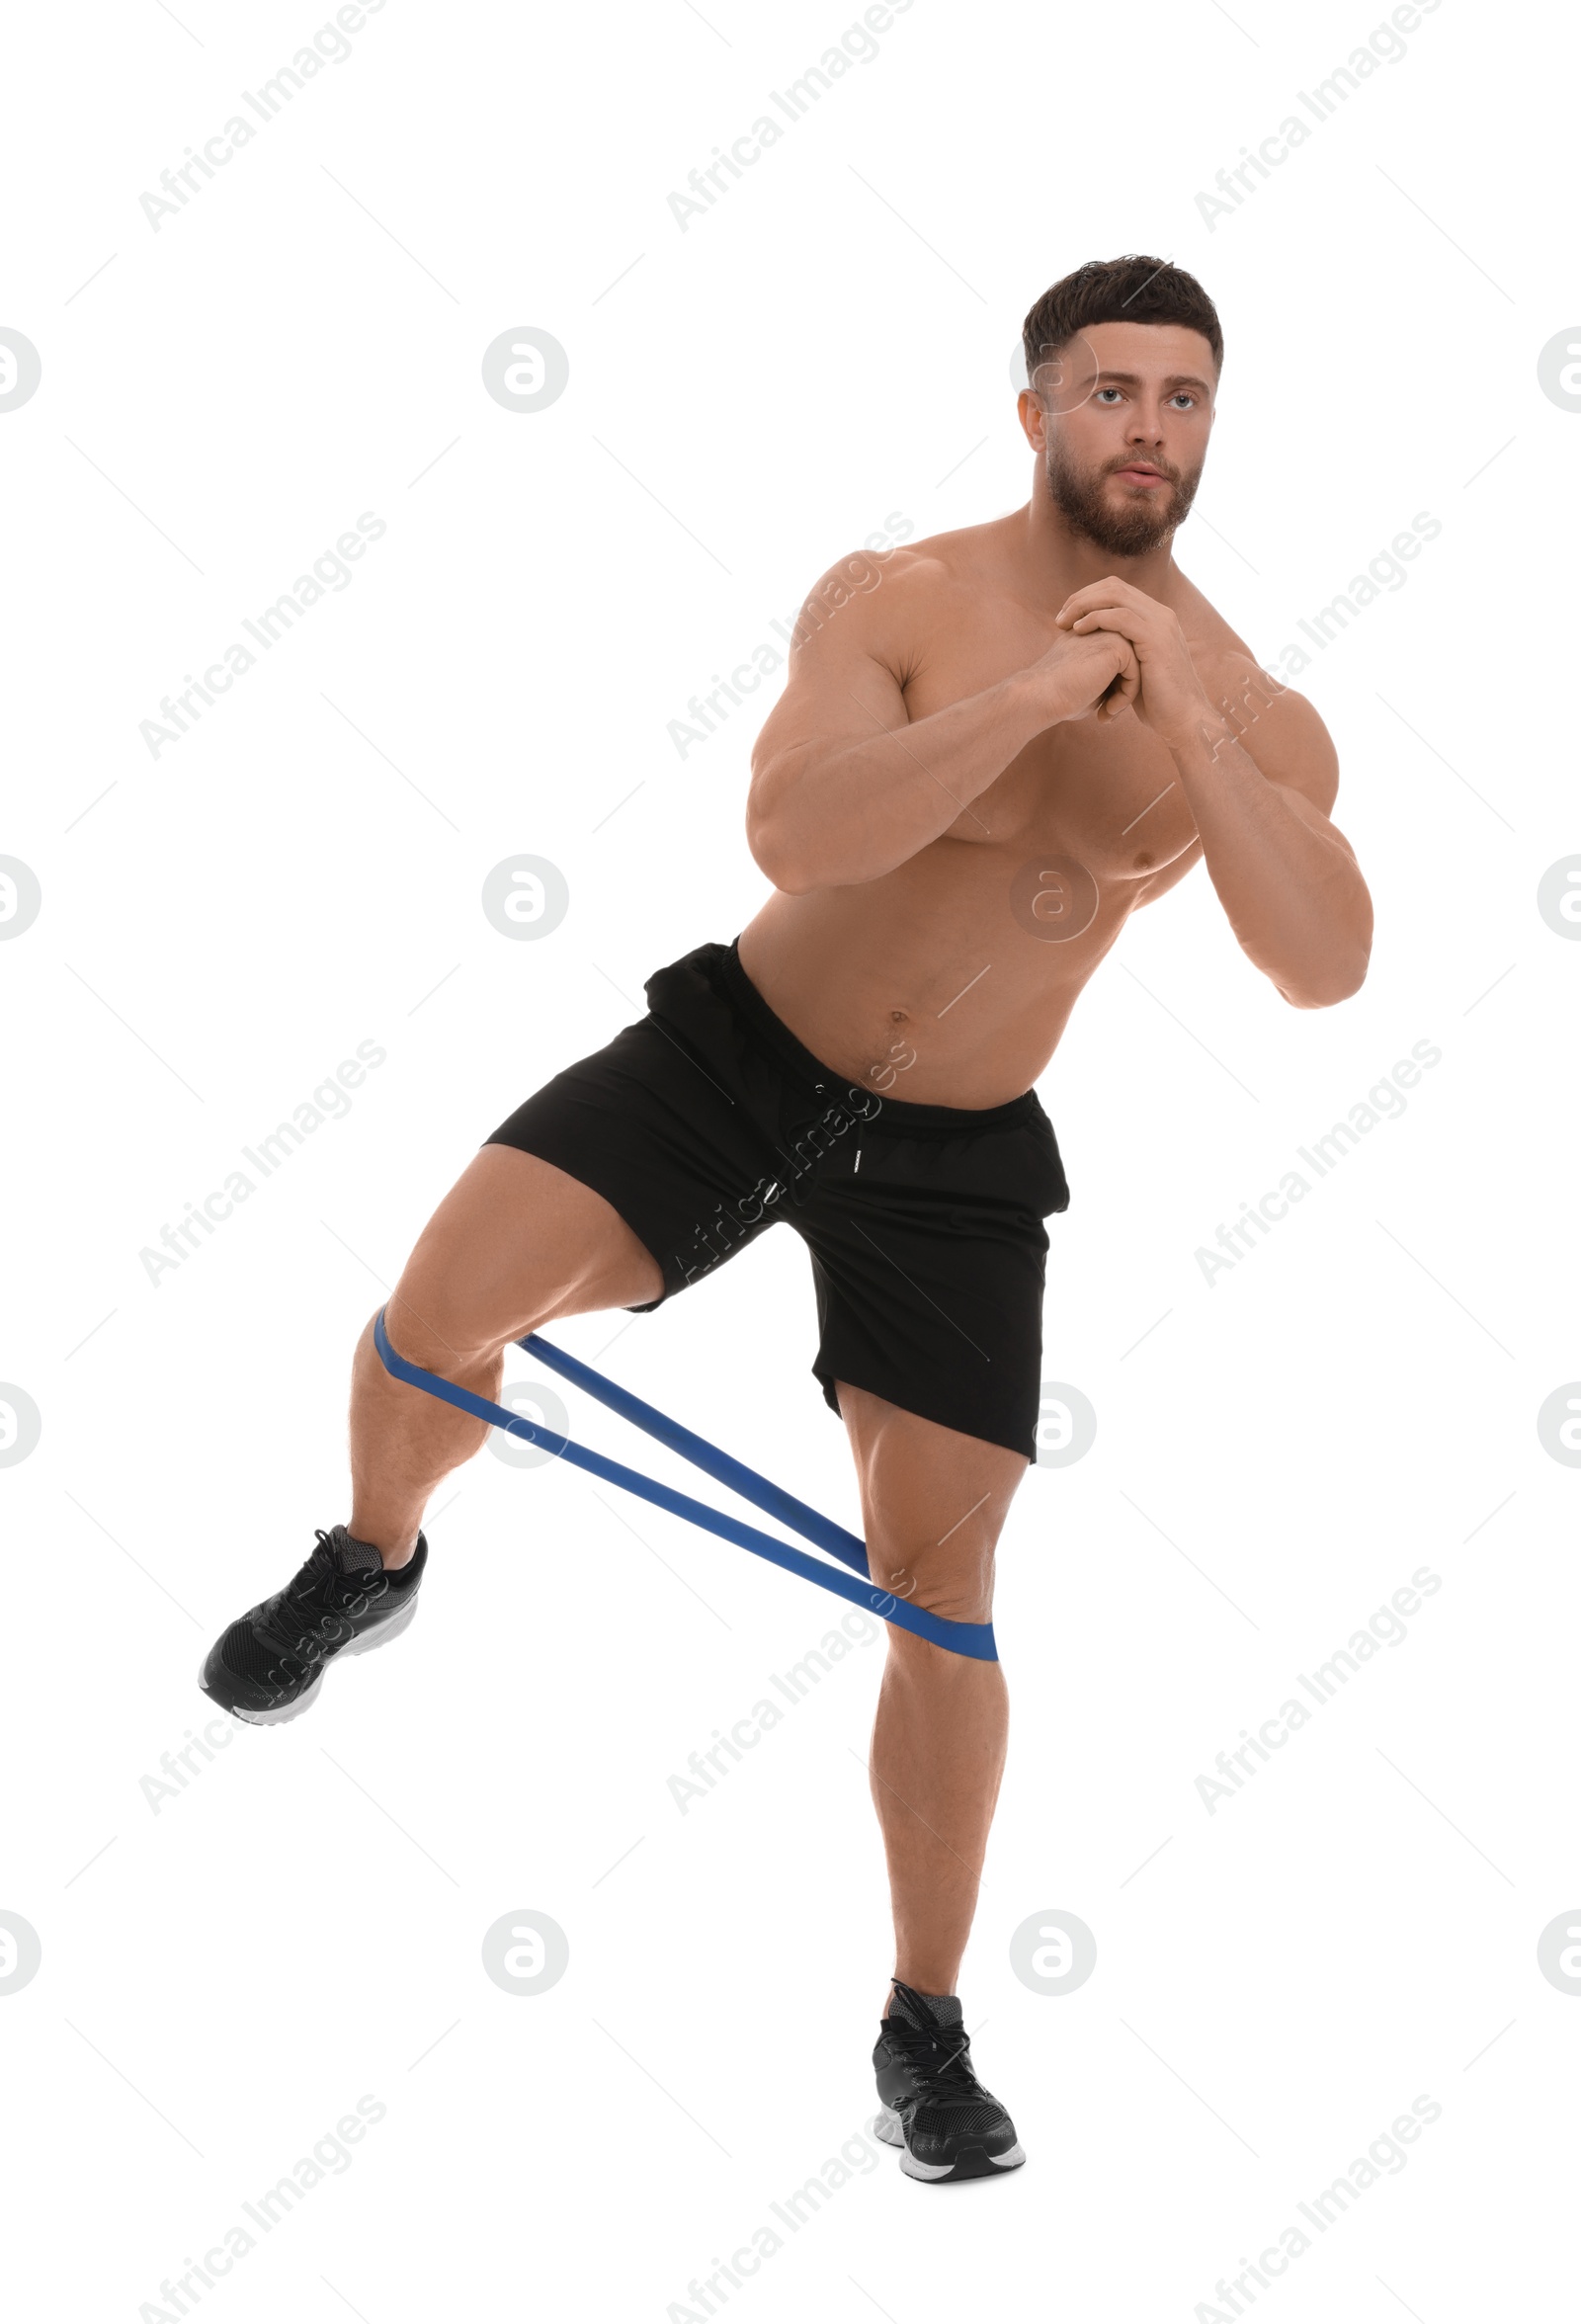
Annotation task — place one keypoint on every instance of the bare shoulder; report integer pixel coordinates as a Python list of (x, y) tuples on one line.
[(890, 604), (1200, 618)]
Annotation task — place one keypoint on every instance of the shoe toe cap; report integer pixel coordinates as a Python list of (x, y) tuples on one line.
[(240, 1677)]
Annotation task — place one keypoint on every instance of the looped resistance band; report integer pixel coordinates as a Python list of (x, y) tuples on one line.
[(976, 1640)]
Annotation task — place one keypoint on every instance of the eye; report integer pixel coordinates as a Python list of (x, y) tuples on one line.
[(1103, 391), (1183, 395)]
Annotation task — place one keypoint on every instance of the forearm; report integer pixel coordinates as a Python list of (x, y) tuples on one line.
[(1292, 895), (835, 818)]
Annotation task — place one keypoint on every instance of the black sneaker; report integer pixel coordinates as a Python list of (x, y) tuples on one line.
[(933, 2105), (270, 1664)]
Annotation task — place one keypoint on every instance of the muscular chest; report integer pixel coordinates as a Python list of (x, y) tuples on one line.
[(1105, 793)]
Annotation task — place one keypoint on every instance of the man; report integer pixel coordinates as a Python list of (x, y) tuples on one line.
[(989, 752)]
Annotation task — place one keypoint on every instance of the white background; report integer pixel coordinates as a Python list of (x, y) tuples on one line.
[(223, 1978)]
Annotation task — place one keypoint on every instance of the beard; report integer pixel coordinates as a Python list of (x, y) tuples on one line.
[(1128, 531)]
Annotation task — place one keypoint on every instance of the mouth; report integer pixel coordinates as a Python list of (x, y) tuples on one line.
[(1140, 475)]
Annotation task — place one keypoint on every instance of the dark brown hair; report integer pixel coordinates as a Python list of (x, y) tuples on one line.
[(1130, 290)]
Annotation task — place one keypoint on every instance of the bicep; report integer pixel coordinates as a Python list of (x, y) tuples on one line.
[(844, 687), (1292, 747), (1288, 742), (833, 697)]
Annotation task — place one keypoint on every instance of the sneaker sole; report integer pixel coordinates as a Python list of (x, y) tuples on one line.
[(309, 1693), (973, 2162)]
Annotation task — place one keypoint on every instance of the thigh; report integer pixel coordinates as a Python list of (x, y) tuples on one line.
[(672, 1143), (933, 1501), (514, 1243), (929, 1264)]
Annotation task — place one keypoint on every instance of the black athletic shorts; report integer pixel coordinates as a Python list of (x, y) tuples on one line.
[(707, 1122)]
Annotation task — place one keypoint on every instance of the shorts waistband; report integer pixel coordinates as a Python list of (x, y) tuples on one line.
[(722, 963)]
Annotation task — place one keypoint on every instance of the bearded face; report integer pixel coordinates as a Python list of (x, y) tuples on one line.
[(1124, 520)]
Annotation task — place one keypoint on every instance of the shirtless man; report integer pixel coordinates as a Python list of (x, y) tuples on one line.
[(989, 752)]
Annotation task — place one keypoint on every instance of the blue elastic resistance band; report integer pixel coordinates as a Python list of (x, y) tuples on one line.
[(976, 1640)]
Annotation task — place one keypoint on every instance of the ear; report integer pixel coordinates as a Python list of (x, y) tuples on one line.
[(1034, 420)]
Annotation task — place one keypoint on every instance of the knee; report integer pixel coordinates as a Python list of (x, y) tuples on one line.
[(960, 1590), (431, 1326)]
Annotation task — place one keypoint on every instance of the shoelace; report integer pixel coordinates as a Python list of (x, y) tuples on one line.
[(320, 1589), (940, 2058)]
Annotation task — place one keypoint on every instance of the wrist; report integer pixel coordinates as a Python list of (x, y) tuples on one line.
[(1041, 697)]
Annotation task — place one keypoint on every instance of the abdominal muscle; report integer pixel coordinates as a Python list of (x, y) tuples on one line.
[(928, 985)]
